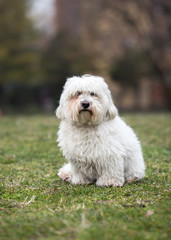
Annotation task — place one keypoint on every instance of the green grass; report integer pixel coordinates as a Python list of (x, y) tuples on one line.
[(36, 204)]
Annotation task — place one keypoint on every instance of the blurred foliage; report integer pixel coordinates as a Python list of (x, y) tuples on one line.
[(131, 67), (150, 23), (62, 58), (65, 57), (123, 41), (19, 58)]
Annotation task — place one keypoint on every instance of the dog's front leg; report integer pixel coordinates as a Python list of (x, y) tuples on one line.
[(111, 175), (78, 178)]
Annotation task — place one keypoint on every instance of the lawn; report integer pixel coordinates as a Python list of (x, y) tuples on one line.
[(36, 204)]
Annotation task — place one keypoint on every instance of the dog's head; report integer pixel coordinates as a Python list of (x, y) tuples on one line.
[(86, 100)]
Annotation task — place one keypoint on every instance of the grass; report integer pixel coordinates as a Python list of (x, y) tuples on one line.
[(36, 204)]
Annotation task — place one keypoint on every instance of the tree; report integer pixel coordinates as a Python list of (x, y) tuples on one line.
[(64, 57), (131, 67), (151, 22), (18, 54)]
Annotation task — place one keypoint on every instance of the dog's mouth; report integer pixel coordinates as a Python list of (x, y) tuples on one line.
[(86, 110)]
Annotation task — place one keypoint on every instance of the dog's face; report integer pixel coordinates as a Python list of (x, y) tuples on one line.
[(86, 100)]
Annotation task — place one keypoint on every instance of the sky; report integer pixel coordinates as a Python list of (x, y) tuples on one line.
[(43, 12), (42, 6)]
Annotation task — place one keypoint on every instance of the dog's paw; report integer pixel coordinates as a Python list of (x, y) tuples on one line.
[(104, 182), (78, 180), (134, 179), (65, 175)]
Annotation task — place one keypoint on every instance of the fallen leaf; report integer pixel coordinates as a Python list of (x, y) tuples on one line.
[(149, 213)]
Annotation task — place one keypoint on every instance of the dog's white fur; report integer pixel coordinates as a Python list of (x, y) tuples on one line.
[(97, 143)]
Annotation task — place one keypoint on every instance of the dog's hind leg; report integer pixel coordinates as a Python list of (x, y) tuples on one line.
[(134, 168)]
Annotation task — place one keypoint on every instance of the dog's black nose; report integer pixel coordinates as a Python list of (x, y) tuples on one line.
[(85, 104)]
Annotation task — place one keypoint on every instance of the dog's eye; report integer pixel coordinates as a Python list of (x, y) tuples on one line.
[(78, 93), (92, 94)]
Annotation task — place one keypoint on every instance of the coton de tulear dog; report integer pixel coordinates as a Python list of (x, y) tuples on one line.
[(97, 143)]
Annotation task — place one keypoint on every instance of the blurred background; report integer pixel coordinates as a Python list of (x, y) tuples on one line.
[(42, 42)]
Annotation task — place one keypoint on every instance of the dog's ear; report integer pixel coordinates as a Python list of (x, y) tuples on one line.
[(59, 113), (60, 109), (112, 111)]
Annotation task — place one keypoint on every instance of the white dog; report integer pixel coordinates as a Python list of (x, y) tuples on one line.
[(97, 143)]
